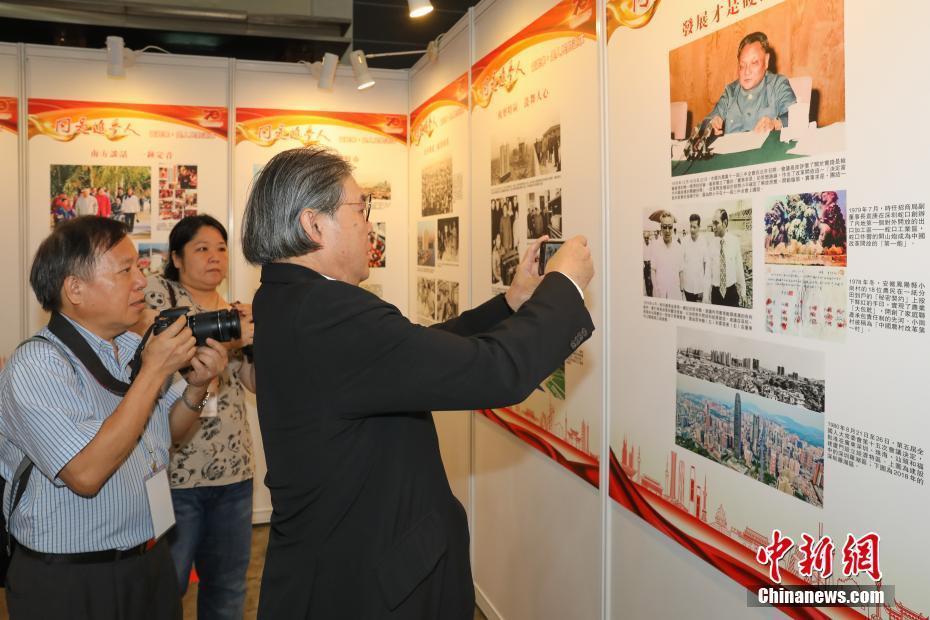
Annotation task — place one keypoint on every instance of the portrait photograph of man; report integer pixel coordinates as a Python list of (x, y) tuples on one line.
[(768, 87)]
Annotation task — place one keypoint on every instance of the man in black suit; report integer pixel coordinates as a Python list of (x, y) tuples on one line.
[(364, 523)]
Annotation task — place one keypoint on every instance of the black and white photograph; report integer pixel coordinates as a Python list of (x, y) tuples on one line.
[(426, 299), (448, 240), (426, 243), (505, 250), (544, 214), (447, 300), (699, 253), (436, 187), (525, 156)]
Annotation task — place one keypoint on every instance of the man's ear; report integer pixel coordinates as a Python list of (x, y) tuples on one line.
[(311, 224), (72, 290)]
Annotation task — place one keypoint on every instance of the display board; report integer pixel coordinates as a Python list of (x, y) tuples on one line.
[(439, 131), (439, 160), (534, 119), (279, 107), (768, 292), (11, 277), (124, 148), (536, 526)]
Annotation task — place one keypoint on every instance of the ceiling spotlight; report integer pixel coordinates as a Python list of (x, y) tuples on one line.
[(323, 70), (360, 69), (116, 53), (119, 56), (419, 8), (328, 70)]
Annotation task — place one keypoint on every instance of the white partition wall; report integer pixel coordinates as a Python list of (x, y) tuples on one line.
[(713, 406), (278, 107), (12, 280), (536, 171), (440, 215), (149, 130)]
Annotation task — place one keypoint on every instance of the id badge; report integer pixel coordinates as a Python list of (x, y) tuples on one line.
[(159, 495), (210, 409)]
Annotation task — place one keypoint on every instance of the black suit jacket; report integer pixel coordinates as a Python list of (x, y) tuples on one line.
[(364, 522)]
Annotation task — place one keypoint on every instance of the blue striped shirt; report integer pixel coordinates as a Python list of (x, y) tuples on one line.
[(51, 408)]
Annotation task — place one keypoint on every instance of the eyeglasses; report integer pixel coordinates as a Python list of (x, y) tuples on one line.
[(667, 226), (366, 202)]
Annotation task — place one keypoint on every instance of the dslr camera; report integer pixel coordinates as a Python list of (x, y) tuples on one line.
[(221, 325)]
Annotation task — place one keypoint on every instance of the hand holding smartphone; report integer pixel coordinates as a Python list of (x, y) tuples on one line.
[(547, 251)]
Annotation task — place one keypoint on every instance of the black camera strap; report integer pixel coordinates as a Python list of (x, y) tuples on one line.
[(66, 332)]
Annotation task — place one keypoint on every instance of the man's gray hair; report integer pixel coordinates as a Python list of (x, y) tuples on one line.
[(294, 180)]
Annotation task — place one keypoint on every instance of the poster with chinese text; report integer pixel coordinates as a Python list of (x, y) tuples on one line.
[(766, 291), (534, 119)]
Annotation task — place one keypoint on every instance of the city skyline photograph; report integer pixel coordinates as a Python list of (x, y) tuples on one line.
[(777, 444)]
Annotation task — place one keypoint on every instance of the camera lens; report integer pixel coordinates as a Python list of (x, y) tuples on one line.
[(222, 325)]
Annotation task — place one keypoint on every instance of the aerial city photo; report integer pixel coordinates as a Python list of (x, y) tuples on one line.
[(752, 410)]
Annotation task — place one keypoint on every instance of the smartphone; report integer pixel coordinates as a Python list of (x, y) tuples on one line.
[(546, 251)]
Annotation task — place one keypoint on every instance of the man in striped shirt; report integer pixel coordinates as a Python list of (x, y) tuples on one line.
[(94, 501)]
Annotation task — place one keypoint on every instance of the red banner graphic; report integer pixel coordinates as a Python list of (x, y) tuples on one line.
[(265, 127), (734, 557), (569, 18), (455, 94), (9, 114), (66, 120), (584, 465), (629, 14)]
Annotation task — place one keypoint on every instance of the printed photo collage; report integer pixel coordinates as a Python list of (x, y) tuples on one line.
[(526, 201), (703, 253), (756, 406), (438, 241), (177, 193), (379, 189)]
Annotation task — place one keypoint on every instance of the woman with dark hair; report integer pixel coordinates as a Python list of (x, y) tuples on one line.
[(211, 468)]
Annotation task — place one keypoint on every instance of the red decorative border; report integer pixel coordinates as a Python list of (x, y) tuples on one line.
[(250, 120), (9, 114), (582, 465), (568, 18), (44, 113), (720, 551), (454, 94)]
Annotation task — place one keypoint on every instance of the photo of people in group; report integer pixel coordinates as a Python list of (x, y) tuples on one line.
[(118, 192), (699, 253)]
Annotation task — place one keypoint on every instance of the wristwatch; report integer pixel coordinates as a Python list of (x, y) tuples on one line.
[(198, 406)]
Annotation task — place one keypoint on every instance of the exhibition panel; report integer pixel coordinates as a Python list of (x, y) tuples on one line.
[(145, 148), (748, 175), (280, 106), (11, 247), (440, 217), (536, 171), (768, 289)]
